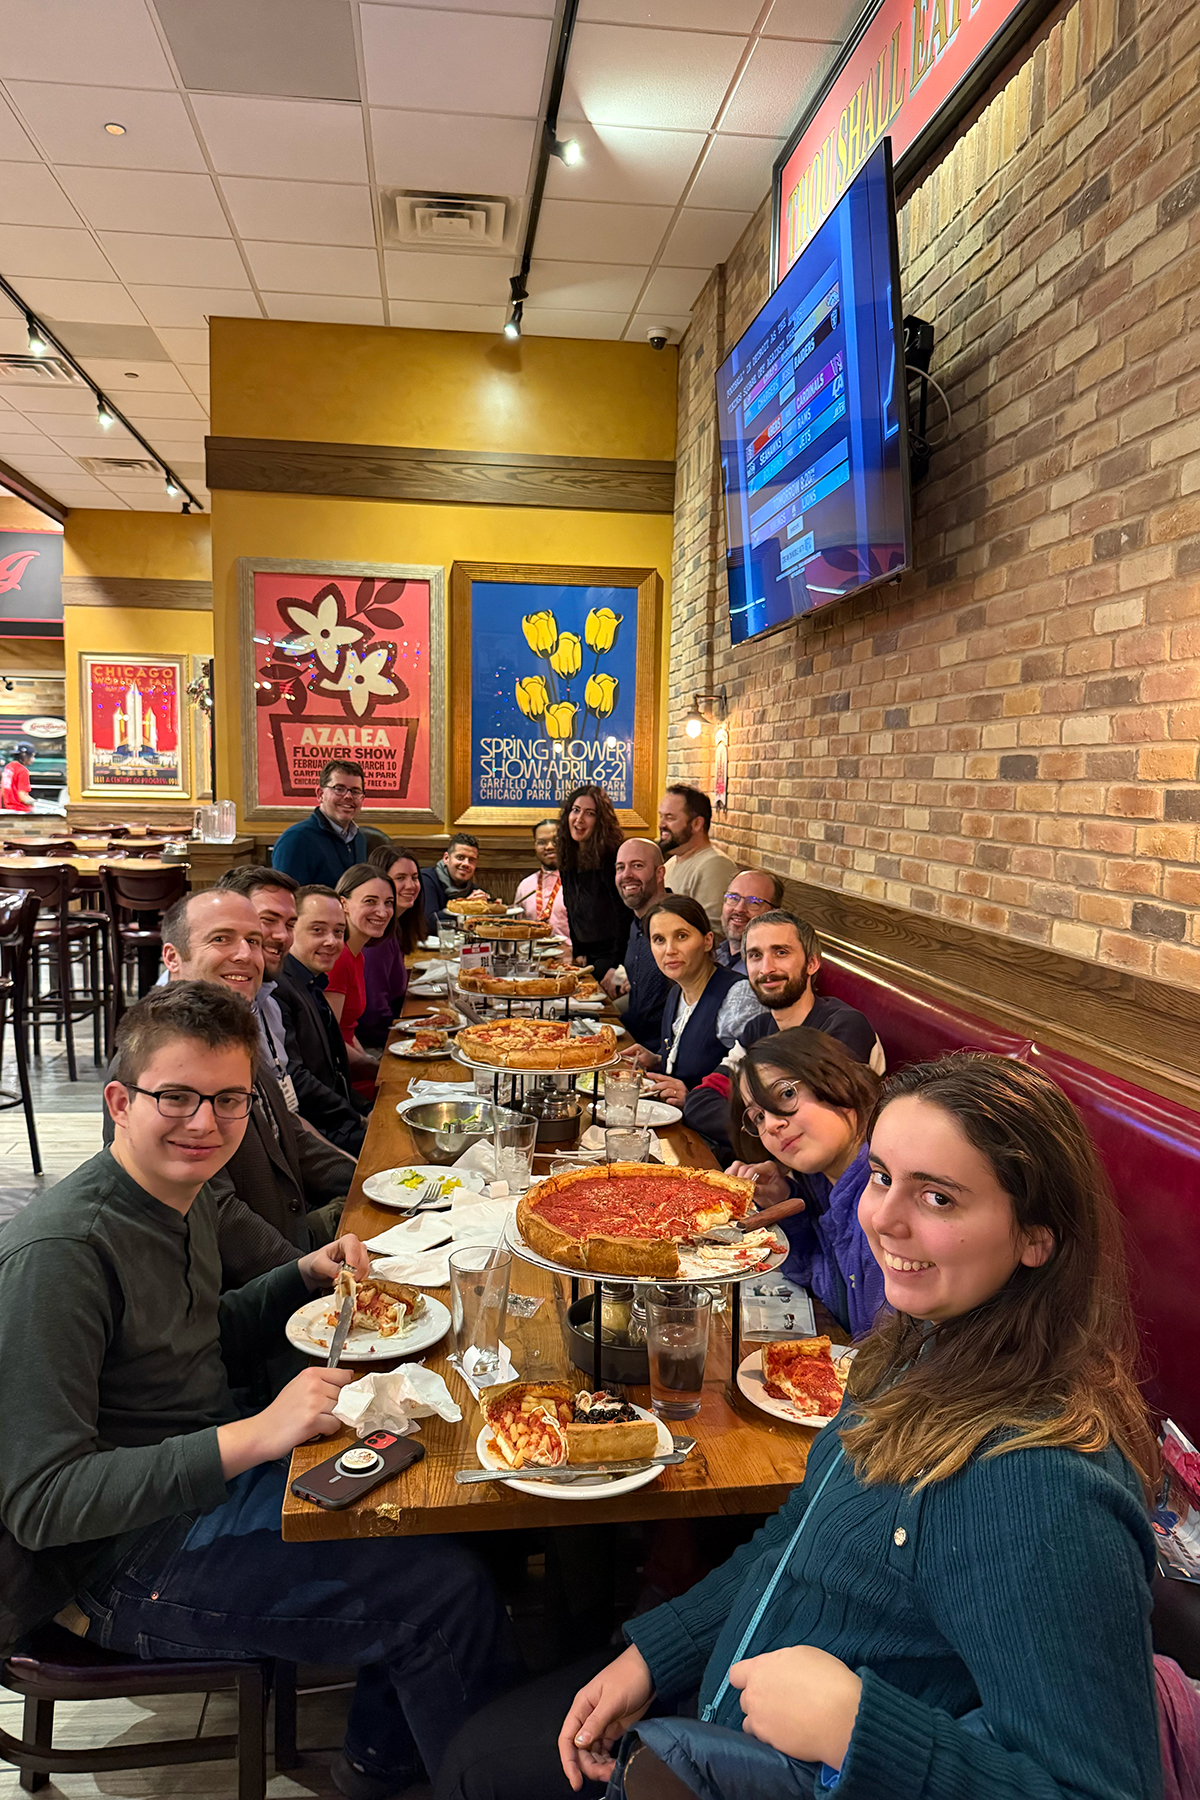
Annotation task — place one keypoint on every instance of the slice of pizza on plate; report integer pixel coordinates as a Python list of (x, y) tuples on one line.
[(802, 1371)]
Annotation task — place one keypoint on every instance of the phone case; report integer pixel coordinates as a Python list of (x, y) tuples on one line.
[(357, 1469)]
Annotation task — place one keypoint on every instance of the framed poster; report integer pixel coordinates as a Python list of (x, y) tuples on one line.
[(342, 659), (31, 566), (553, 681), (134, 739)]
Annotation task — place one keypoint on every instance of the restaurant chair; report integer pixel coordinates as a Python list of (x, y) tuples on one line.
[(66, 936), (18, 917), (42, 846), (134, 902), (59, 1666)]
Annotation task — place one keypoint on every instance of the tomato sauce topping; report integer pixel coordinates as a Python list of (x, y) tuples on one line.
[(629, 1206)]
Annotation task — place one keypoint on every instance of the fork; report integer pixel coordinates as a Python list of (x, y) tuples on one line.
[(428, 1191)]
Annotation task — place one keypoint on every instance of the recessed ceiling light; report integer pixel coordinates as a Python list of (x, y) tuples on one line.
[(114, 130)]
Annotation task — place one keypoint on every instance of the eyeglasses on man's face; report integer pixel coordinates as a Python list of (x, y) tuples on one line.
[(185, 1103), (748, 901), (342, 791), (788, 1096)]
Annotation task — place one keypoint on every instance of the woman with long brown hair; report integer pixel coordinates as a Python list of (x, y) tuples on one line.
[(954, 1605), (385, 972), (589, 837)]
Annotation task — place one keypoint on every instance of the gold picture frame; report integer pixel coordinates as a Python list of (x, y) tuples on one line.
[(121, 701)]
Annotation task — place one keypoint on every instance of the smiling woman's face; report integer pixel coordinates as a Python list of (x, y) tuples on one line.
[(369, 908), (938, 1222), (407, 882), (581, 820)]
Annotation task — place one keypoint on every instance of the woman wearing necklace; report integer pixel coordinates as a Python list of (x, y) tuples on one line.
[(706, 1007), (588, 838)]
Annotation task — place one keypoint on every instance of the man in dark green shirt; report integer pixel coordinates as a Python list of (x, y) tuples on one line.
[(130, 1484)]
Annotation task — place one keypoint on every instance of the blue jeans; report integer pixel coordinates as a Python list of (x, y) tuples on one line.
[(418, 1617)]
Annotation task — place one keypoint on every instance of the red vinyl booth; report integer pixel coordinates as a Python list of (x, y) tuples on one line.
[(1150, 1147)]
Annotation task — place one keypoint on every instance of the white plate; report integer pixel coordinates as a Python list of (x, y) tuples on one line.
[(750, 1381), (617, 1029), (381, 1188), (558, 1007), (653, 1114), (602, 1487), (307, 1332), (404, 1047)]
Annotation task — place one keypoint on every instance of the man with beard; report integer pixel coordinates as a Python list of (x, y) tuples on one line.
[(541, 893), (783, 954), (750, 895), (695, 866), (640, 885), (453, 878)]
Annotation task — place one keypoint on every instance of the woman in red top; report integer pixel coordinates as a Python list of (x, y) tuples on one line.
[(369, 900)]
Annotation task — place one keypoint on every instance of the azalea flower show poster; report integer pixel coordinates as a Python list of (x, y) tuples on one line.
[(342, 659), (558, 688)]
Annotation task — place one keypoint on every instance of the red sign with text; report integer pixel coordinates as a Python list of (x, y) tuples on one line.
[(910, 59), (341, 669)]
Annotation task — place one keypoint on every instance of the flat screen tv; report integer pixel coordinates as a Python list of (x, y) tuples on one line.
[(812, 412)]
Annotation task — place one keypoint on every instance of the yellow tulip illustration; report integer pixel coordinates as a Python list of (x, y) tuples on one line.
[(541, 631), (600, 630), (532, 697), (560, 719), (600, 694), (568, 656)]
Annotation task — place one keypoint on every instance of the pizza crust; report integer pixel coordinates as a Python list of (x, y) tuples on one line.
[(520, 987), (601, 1253), (534, 1422), (536, 1044)]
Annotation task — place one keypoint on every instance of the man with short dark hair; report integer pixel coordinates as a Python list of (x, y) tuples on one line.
[(751, 893), (130, 1488), (541, 893), (452, 878), (328, 842), (640, 885), (694, 866), (315, 1047)]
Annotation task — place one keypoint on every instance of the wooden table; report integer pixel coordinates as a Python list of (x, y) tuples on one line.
[(744, 1461)]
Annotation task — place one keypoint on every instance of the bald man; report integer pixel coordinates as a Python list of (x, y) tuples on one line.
[(640, 883)]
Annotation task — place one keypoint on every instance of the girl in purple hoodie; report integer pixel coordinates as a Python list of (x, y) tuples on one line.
[(802, 1101)]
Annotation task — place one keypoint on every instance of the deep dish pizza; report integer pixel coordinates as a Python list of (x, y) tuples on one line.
[(631, 1218), (802, 1371), (383, 1308), (518, 930), (524, 987), (535, 1044), (545, 1424), (476, 909)]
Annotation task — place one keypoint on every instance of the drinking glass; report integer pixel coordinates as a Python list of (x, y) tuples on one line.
[(626, 1145), (621, 1090), (517, 1134), (677, 1322), (478, 1299), (449, 935)]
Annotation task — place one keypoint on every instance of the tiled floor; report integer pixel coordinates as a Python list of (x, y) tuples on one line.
[(67, 1115)]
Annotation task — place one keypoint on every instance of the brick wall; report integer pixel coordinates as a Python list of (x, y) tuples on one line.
[(1008, 740)]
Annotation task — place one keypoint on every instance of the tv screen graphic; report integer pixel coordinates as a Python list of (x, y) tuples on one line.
[(812, 411)]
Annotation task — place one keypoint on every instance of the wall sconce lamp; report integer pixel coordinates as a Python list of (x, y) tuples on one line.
[(697, 719)]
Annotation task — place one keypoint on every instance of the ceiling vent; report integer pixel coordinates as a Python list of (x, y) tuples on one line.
[(118, 465), (38, 371), (478, 222)]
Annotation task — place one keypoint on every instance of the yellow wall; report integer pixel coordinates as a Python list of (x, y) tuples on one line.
[(451, 390), (163, 546)]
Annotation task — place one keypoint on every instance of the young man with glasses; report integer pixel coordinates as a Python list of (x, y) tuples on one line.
[(329, 841), (750, 894), (135, 1502)]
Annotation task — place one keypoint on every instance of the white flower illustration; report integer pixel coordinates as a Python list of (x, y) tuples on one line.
[(362, 679), (323, 632)]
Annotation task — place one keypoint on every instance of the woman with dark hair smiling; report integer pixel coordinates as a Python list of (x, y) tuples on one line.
[(369, 901), (385, 972), (589, 837), (954, 1604)]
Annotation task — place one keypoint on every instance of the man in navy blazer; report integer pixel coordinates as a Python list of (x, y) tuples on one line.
[(323, 846)]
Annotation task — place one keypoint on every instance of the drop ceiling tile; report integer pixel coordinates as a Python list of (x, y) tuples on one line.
[(143, 407), (300, 212), (101, 499), (677, 80), (550, 321), (187, 346), (196, 376), (69, 125), (600, 231), (16, 428), (533, 9), (46, 406), (325, 309), (113, 442), (130, 375), (673, 290), (446, 315), (314, 269), (304, 48), (780, 79), (175, 261), (300, 140), (176, 449), (584, 287), (702, 239), (192, 307), (14, 142), (146, 200), (454, 62), (136, 344), (36, 250), (626, 165), (678, 15), (736, 173), (435, 151), (433, 275), (91, 41), (30, 195), (817, 19), (92, 302)]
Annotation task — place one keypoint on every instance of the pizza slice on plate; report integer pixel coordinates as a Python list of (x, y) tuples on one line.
[(544, 1423), (802, 1371)]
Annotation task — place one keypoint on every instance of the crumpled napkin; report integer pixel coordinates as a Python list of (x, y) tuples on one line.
[(482, 1157), (395, 1400), (421, 1232), (440, 1090), (466, 1368), (593, 1139)]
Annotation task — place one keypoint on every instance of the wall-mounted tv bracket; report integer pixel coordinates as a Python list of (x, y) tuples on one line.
[(918, 349)]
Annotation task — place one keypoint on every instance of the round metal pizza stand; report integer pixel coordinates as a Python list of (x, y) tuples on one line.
[(497, 1072), (513, 1241)]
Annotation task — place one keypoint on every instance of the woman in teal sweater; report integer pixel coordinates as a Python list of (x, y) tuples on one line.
[(954, 1605)]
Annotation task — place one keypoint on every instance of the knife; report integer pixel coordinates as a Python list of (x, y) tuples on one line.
[(575, 1471), (341, 1334)]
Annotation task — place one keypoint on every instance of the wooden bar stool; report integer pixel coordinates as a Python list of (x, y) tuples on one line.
[(134, 902), (59, 1666), (18, 918), (66, 935)]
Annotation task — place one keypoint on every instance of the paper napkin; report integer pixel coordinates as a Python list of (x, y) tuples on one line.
[(395, 1401)]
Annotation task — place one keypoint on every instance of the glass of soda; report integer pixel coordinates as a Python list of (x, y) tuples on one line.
[(677, 1323)]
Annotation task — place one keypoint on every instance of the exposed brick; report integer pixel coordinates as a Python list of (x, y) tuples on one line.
[(1182, 804), (1018, 768), (1158, 921)]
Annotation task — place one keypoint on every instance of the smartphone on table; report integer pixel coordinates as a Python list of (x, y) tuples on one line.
[(357, 1469)]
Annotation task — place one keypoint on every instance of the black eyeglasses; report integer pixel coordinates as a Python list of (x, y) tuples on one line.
[(343, 792), (788, 1095), (185, 1103)]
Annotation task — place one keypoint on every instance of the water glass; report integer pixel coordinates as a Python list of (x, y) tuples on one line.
[(478, 1300), (517, 1140), (626, 1146), (449, 934), (621, 1090), (677, 1322)]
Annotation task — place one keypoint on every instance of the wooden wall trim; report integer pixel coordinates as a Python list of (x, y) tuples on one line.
[(461, 477), (27, 490), (1144, 1030), (120, 590)]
